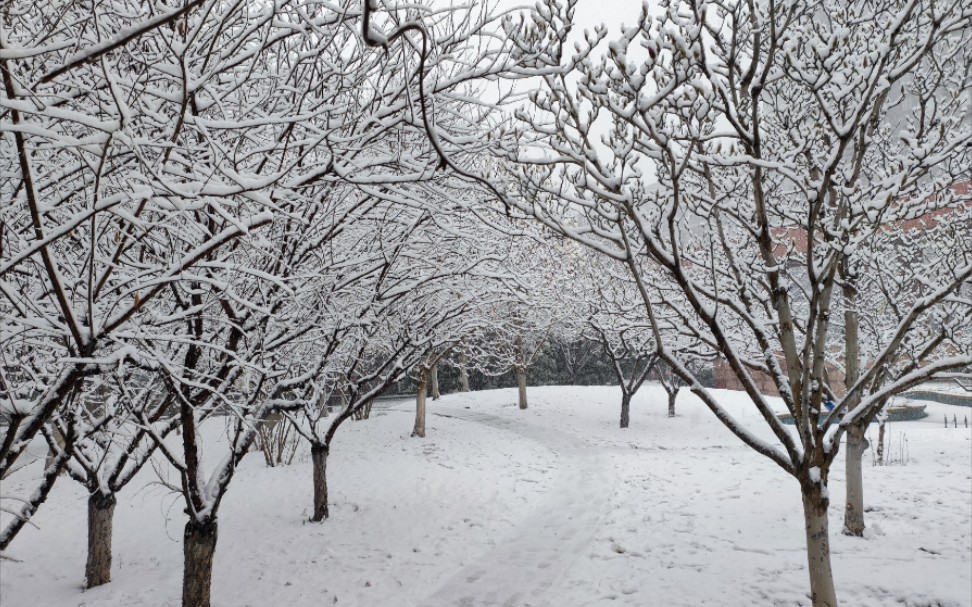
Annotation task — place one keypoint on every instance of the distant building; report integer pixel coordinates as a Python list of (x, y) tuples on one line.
[(796, 239)]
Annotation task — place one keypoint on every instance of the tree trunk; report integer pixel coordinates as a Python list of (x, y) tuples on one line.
[(521, 381), (671, 402), (97, 571), (519, 366), (856, 443), (880, 446), (435, 382), (854, 509), (319, 460), (419, 429), (625, 410), (463, 374), (822, 591), (199, 544)]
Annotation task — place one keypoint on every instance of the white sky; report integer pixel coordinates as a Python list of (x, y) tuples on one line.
[(593, 12)]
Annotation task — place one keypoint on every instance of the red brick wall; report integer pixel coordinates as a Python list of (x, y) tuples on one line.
[(724, 377)]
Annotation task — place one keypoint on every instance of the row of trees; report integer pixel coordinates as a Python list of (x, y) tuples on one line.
[(214, 208), (807, 212), (221, 209)]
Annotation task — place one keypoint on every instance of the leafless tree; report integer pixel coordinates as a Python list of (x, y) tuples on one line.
[(768, 129)]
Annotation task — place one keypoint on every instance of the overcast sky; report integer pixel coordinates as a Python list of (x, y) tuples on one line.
[(589, 13)]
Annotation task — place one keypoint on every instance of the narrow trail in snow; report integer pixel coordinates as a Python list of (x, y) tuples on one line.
[(519, 570)]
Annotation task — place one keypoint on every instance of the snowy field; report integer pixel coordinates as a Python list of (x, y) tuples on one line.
[(553, 506)]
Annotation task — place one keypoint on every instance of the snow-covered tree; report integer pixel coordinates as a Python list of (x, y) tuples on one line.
[(614, 320), (767, 127), (107, 211), (113, 420), (177, 172), (881, 282)]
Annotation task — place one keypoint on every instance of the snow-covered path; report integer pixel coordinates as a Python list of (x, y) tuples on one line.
[(522, 567), (552, 506)]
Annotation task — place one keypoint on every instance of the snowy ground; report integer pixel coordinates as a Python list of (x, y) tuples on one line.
[(553, 506)]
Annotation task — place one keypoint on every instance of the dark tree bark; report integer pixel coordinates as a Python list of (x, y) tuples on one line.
[(672, 395), (319, 458), (521, 382), (520, 367), (625, 410), (101, 509), (199, 545)]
